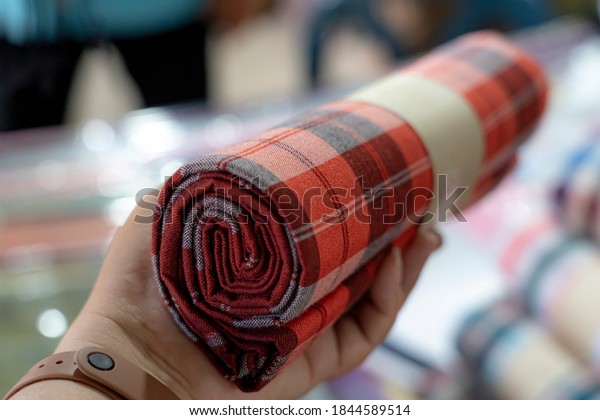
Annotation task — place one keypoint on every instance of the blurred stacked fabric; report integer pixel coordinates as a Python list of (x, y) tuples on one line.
[(514, 358), (578, 194), (553, 321)]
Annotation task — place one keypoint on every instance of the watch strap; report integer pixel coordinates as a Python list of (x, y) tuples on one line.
[(100, 369)]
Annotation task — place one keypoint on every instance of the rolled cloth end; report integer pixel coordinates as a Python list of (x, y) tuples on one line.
[(259, 247)]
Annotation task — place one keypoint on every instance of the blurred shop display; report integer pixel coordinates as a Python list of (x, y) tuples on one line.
[(543, 341), (162, 44), (515, 358), (65, 190), (578, 195), (405, 27)]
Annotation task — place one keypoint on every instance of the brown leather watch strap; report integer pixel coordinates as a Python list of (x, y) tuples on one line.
[(100, 369)]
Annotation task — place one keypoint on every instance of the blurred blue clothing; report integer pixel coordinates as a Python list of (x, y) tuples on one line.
[(474, 15), (48, 21)]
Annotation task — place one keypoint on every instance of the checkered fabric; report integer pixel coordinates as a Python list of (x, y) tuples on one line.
[(504, 87), (260, 246)]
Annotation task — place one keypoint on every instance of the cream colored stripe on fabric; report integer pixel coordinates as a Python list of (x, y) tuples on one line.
[(447, 124)]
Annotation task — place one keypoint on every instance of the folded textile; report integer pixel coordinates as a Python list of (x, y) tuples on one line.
[(259, 247), (555, 274), (562, 293), (515, 358), (524, 228), (578, 194)]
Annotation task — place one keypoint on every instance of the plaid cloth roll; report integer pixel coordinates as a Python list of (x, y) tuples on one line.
[(514, 358), (259, 247)]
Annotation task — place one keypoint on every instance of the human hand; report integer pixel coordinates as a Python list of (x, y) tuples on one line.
[(125, 314)]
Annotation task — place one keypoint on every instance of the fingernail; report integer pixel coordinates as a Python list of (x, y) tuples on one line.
[(434, 238)]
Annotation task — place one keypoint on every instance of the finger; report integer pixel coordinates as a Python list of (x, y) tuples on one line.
[(127, 265), (376, 312), (415, 257), (322, 359), (139, 222), (356, 334), (134, 236)]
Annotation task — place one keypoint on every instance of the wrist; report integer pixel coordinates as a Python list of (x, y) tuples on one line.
[(101, 369), (98, 368), (59, 389), (94, 330)]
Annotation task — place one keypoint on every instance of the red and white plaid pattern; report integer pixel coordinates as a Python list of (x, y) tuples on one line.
[(504, 86), (259, 247)]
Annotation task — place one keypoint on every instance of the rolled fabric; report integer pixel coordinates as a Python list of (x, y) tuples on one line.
[(259, 247), (563, 295), (578, 194), (523, 229), (555, 274), (515, 358)]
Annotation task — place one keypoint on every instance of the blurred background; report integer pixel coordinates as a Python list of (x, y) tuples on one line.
[(102, 98)]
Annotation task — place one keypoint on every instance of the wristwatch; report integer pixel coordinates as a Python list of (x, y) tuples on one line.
[(100, 369)]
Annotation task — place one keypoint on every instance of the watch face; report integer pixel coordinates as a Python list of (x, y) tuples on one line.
[(101, 361)]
